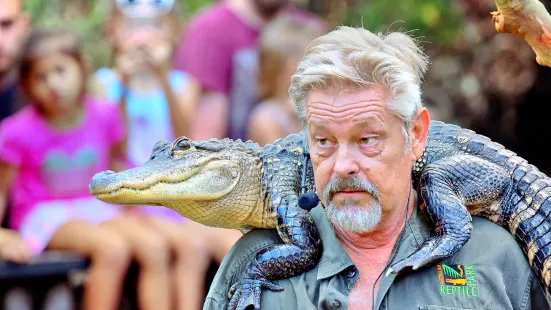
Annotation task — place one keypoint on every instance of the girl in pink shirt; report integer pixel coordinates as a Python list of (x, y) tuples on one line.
[(49, 151)]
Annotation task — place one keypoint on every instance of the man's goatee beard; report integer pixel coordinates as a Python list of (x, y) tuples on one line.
[(353, 218)]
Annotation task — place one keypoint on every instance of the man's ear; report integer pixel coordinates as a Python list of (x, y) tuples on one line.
[(419, 132)]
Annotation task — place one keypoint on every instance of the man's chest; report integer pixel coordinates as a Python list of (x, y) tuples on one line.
[(449, 286), (365, 289), (438, 287), (362, 294)]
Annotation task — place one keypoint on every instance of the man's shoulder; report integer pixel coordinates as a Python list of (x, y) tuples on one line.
[(494, 245), (497, 256), (251, 241), (235, 261), (298, 292), (490, 234), (245, 249)]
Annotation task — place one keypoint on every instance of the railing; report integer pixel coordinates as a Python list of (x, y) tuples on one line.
[(58, 267)]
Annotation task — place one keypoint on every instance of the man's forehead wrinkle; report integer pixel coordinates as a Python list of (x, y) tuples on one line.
[(338, 104), (351, 112), (337, 97), (374, 121)]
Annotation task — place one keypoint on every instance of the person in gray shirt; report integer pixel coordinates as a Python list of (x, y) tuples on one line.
[(359, 96)]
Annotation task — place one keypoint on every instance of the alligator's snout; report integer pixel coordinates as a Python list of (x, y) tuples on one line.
[(102, 182)]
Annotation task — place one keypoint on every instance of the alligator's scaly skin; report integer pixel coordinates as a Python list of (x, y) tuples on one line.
[(460, 174), (301, 248), (254, 187)]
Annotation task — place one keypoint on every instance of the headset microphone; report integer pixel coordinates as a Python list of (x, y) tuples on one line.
[(306, 201)]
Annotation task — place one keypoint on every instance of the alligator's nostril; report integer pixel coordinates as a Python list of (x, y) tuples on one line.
[(101, 181)]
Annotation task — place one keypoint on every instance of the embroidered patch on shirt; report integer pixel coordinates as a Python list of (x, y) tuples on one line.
[(457, 280)]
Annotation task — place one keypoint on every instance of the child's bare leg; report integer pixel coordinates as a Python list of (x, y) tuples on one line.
[(110, 257), (191, 261), (152, 252), (218, 240), (12, 247)]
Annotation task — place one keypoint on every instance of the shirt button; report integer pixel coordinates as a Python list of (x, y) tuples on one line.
[(351, 273), (336, 303)]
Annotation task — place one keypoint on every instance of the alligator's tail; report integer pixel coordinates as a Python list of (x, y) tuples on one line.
[(530, 222), (445, 140), (525, 206), (525, 209)]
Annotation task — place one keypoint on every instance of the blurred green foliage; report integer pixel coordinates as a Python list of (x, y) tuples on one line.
[(87, 19), (435, 21)]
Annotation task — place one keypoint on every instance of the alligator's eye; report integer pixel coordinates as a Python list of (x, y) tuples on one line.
[(181, 145)]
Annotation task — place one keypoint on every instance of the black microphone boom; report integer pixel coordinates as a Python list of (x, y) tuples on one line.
[(306, 201)]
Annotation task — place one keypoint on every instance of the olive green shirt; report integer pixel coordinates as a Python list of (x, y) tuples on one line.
[(488, 272)]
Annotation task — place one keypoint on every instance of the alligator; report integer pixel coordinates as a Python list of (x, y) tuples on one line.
[(236, 184)]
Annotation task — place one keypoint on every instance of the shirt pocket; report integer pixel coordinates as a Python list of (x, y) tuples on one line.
[(435, 307)]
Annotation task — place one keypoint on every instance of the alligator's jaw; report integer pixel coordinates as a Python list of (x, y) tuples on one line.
[(126, 196), (142, 186)]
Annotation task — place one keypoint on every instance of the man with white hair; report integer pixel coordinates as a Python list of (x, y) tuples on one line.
[(359, 96)]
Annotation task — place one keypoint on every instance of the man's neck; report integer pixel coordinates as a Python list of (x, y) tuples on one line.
[(371, 253), (384, 236)]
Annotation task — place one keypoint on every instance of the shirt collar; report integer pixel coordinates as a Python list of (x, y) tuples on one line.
[(334, 258)]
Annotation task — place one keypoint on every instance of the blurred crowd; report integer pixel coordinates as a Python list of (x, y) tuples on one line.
[(225, 74), (63, 121)]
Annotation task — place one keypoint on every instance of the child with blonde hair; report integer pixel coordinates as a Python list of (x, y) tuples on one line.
[(281, 45), (157, 105)]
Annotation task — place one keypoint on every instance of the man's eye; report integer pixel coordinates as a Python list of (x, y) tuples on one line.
[(323, 142), (368, 141)]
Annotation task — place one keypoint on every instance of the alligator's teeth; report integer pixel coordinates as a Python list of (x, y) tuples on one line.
[(113, 193), (137, 190)]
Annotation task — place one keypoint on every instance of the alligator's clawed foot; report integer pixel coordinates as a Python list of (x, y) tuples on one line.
[(247, 292), (431, 250)]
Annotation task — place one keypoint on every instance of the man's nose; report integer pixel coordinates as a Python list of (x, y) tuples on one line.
[(346, 162)]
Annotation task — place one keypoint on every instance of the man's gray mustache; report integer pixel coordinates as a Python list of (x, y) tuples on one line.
[(354, 183)]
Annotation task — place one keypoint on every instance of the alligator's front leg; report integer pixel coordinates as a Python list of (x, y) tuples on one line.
[(447, 187), (299, 252)]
